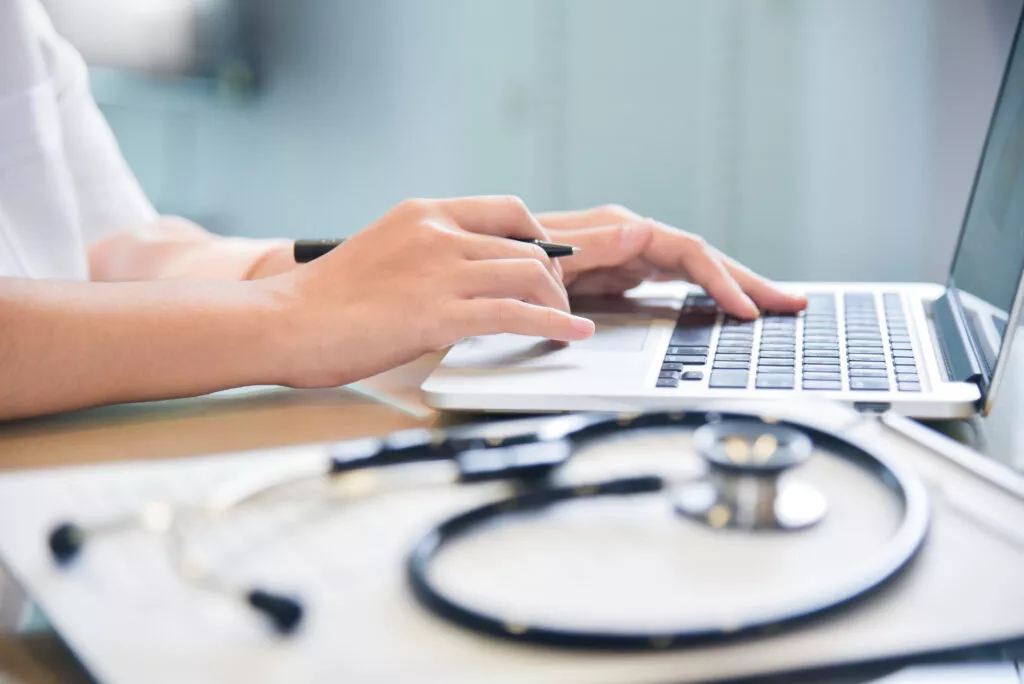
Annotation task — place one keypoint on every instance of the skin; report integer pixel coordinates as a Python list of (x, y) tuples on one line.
[(174, 311)]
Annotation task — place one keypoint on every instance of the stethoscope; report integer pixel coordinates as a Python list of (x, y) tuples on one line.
[(747, 488)]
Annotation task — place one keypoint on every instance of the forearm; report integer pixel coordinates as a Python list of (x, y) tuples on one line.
[(172, 248), (67, 345)]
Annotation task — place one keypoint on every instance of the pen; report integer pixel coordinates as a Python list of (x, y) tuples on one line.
[(307, 250)]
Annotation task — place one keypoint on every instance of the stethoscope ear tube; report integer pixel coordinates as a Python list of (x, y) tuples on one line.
[(527, 459)]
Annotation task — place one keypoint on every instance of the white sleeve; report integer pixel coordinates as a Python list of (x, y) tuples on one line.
[(108, 195)]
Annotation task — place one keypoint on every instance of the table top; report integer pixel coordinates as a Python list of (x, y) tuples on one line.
[(230, 421), (277, 417)]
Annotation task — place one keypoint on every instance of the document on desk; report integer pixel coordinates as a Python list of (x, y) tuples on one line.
[(131, 618)]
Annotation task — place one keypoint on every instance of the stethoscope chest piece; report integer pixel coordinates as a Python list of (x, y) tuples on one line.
[(750, 484)]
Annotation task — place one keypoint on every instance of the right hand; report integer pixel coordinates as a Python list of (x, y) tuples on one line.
[(425, 275)]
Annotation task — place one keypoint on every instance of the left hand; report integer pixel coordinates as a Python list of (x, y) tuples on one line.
[(620, 250)]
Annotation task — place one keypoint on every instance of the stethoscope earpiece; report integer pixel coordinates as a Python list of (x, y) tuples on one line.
[(65, 542), (284, 612)]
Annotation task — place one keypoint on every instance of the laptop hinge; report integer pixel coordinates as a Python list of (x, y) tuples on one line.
[(962, 363)]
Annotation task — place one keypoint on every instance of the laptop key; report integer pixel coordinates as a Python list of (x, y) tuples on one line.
[(821, 353), (728, 378), (852, 365), (668, 375), (778, 346), (731, 365), (824, 346), (732, 357), (691, 376), (822, 385), (831, 361), (820, 368), (880, 384), (780, 363), (816, 375), (874, 351), (734, 349), (665, 382), (868, 373), (774, 381), (688, 350), (878, 358), (909, 386), (775, 354), (902, 353), (671, 366), (693, 329), (692, 360), (907, 377)]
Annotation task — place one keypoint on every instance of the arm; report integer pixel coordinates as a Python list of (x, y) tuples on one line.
[(425, 275), (171, 248), (70, 345)]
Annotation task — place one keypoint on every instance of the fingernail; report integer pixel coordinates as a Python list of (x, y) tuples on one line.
[(583, 325), (751, 306)]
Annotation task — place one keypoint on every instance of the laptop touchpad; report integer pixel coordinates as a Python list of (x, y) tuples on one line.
[(617, 332)]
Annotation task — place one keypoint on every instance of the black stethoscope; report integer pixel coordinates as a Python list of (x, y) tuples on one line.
[(742, 491)]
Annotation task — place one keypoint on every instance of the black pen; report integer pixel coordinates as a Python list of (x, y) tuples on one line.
[(307, 250)]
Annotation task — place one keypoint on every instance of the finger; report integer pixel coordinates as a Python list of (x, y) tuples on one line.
[(524, 279), (493, 316), (609, 214), (604, 246), (606, 282), (481, 247), (675, 251), (503, 216), (766, 294)]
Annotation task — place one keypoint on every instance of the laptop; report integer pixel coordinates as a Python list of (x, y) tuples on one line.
[(923, 350)]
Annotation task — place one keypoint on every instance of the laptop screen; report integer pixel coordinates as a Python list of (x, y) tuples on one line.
[(989, 260)]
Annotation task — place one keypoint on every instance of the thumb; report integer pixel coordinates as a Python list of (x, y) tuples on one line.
[(604, 246)]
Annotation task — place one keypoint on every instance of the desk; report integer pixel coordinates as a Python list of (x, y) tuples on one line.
[(182, 428), (218, 423)]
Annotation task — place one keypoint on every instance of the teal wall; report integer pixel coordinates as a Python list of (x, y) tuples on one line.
[(815, 139)]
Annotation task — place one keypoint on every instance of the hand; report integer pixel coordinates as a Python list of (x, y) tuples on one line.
[(620, 250), (425, 275)]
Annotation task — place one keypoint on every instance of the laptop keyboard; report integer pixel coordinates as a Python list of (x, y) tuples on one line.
[(816, 350)]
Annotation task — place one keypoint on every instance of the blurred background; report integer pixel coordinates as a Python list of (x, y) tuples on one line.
[(813, 139)]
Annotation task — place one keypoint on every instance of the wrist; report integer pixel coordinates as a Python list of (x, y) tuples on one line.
[(285, 342)]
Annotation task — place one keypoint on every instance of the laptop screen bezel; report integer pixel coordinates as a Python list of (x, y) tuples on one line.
[(993, 377)]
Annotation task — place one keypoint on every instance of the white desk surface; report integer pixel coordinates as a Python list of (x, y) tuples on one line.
[(191, 427)]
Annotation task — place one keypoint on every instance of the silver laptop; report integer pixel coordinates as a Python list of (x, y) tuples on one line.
[(924, 350)]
